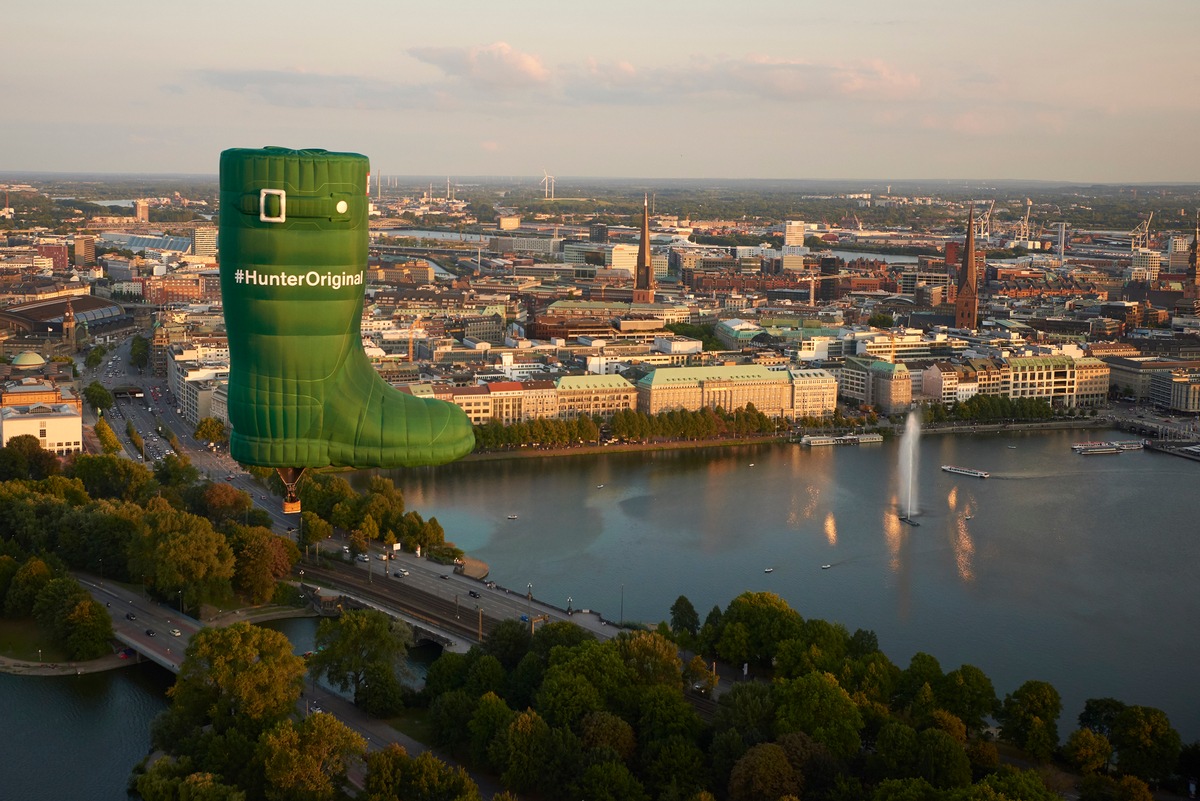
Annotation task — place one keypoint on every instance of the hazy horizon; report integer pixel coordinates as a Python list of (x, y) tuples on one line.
[(1076, 91)]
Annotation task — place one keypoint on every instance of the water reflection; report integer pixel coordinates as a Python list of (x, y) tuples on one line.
[(830, 529), (952, 498), (964, 550)]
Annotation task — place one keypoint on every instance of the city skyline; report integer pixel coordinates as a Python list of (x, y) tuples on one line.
[(1071, 91)]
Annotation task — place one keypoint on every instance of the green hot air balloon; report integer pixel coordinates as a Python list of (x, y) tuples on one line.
[(293, 228)]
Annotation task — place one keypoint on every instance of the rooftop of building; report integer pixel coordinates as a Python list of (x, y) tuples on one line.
[(665, 376)]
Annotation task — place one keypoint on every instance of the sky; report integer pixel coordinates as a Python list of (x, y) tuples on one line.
[(1060, 90)]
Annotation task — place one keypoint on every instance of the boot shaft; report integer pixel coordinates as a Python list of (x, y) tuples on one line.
[(293, 236)]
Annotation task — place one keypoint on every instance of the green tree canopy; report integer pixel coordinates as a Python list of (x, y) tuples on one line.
[(347, 646)]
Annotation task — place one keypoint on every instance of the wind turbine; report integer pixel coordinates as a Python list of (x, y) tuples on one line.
[(548, 183)]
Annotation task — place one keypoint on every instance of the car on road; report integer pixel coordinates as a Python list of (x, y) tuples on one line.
[(130, 616), (399, 573), (362, 557), (473, 593), (402, 572), (176, 633), (149, 632), (446, 576), (291, 528)]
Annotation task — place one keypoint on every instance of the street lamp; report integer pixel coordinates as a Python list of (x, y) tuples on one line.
[(301, 581), (180, 594), (529, 599), (568, 604), (622, 620)]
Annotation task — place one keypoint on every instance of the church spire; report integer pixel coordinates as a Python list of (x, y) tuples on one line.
[(966, 305), (643, 286)]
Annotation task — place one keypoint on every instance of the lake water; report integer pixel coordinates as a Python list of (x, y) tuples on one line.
[(1074, 570), (1071, 569)]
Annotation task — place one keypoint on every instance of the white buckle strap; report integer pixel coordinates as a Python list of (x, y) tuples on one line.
[(262, 206)]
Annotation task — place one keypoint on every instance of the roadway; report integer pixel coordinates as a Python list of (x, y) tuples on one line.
[(147, 626)]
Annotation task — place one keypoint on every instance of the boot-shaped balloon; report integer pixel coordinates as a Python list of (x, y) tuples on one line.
[(293, 228)]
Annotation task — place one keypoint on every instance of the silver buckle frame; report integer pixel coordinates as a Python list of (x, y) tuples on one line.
[(262, 206)]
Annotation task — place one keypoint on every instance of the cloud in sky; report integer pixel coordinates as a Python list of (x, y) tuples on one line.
[(479, 73), (495, 66)]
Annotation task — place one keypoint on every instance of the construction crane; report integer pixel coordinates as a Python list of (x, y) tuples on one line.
[(983, 224), (812, 285), (412, 333), (1023, 229), (1139, 237)]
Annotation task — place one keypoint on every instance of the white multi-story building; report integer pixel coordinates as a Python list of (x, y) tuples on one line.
[(58, 427), (1145, 265)]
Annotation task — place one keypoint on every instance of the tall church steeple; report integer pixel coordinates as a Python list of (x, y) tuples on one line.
[(966, 306), (643, 286)]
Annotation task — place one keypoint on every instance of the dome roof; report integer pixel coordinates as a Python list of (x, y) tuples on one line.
[(28, 360)]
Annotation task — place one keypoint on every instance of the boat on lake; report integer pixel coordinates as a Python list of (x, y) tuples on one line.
[(826, 567), (1103, 449), (965, 471), (512, 517), (769, 570)]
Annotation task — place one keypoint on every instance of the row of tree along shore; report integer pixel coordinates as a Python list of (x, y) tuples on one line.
[(681, 428)]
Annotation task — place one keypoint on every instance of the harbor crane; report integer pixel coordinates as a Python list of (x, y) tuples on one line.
[(983, 224), (1139, 237), (1023, 231)]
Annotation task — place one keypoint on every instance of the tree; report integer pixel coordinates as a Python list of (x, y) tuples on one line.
[(651, 658), (490, 721), (767, 621), (308, 760), (40, 463), (763, 774), (220, 502), (968, 693), (684, 617), (97, 396), (1146, 745), (525, 751), (393, 774), (89, 630), (262, 559), (139, 351), (210, 429), (55, 600), (941, 760), (241, 675), (896, 751), (1029, 718), (348, 645), (1099, 714), (25, 587), (111, 477), (1087, 751), (108, 440), (95, 357), (182, 555), (818, 706), (565, 698)]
